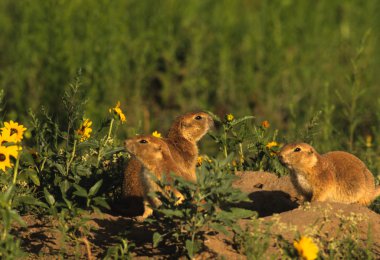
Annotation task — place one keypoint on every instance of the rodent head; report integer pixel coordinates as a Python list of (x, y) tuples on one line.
[(191, 126), (147, 148), (298, 156)]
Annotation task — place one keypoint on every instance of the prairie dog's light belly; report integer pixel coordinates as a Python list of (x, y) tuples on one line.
[(304, 184), (301, 183)]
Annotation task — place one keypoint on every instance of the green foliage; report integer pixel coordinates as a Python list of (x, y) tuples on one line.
[(269, 59), (121, 251), (9, 244), (206, 204), (255, 146), (67, 168), (254, 241), (349, 246)]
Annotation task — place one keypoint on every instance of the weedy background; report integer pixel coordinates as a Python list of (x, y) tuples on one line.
[(278, 60)]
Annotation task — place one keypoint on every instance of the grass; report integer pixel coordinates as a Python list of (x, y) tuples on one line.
[(279, 60)]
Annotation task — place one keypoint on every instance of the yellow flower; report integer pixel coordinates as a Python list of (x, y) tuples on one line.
[(13, 150), (199, 160), (271, 144), (117, 111), (368, 141), (306, 248), (6, 138), (265, 124), (229, 117), (5, 153), (13, 130), (85, 130), (156, 134)]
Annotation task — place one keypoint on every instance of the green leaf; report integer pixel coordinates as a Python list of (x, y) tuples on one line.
[(8, 193), (82, 170), (238, 121), (99, 201), (32, 174), (30, 200), (49, 198), (192, 248), (171, 213), (220, 228), (227, 160), (81, 192), (60, 168), (64, 186), (234, 214), (16, 217), (94, 189), (157, 238), (113, 150)]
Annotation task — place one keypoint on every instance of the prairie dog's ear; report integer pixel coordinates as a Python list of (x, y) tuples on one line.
[(311, 151)]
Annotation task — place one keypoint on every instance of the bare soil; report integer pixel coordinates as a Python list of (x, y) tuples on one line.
[(273, 198)]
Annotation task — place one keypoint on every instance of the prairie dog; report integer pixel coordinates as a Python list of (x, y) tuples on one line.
[(183, 136), (334, 176), (182, 139), (154, 155)]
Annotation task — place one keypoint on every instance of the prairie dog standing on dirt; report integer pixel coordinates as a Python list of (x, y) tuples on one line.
[(183, 136), (334, 176), (155, 157)]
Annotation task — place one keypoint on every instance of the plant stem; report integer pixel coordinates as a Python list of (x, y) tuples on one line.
[(105, 142), (225, 143), (71, 157), (241, 153), (15, 170), (110, 130)]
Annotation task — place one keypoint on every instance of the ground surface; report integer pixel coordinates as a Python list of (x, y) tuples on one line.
[(273, 198)]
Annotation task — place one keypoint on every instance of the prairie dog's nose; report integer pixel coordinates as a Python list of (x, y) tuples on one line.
[(127, 144), (211, 123)]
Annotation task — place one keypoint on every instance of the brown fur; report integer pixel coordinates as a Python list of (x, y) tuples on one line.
[(182, 140), (335, 176), (156, 159)]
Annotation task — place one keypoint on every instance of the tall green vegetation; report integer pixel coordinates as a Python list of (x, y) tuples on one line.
[(281, 60)]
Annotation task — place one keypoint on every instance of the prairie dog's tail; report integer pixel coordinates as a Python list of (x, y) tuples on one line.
[(369, 198)]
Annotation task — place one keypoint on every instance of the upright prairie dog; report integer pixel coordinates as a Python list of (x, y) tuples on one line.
[(155, 156), (334, 176), (183, 136)]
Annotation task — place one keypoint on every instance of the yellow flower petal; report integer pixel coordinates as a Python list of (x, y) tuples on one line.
[(156, 134), (271, 144), (230, 117), (13, 130), (118, 112), (5, 153), (306, 248), (85, 130)]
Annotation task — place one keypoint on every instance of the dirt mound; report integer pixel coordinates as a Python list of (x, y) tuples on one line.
[(268, 193), (273, 198)]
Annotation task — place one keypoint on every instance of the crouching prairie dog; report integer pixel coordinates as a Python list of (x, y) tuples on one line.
[(334, 176), (155, 157), (182, 139)]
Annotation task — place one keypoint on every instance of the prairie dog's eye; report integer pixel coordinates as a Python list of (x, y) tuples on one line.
[(143, 141), (297, 149), (198, 118)]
